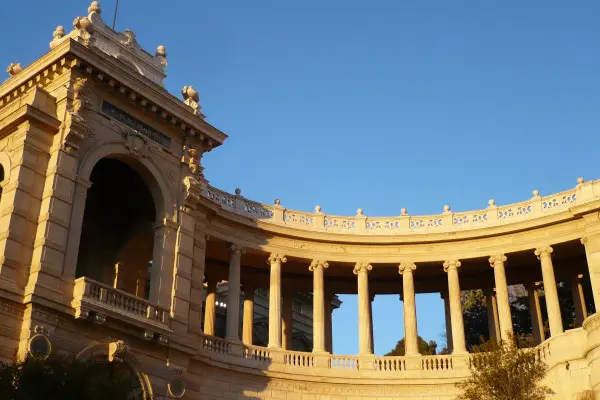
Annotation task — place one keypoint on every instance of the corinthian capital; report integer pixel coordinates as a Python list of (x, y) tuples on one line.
[(318, 264), (362, 267), (406, 266), (452, 264), (276, 258), (543, 251), (498, 258)]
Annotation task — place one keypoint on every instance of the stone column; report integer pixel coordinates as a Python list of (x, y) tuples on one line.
[(504, 315), (318, 269), (448, 320), (328, 323), (209, 307), (248, 325), (553, 307), (492, 313), (233, 294), (371, 300), (411, 344), (275, 261), (578, 300), (592, 253), (458, 330), (163, 259), (364, 311), (535, 312), (287, 330)]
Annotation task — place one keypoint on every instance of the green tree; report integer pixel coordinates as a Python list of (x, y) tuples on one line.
[(425, 348), (64, 379), (504, 372)]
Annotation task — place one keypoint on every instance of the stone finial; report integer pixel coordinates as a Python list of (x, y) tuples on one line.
[(359, 211), (161, 51), (58, 35), (318, 209), (446, 209), (238, 191), (536, 193), (83, 24), (491, 203), (94, 7), (191, 99), (14, 68), (580, 181), (277, 202), (403, 211)]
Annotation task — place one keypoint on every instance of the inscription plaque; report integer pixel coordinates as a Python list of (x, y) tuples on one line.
[(135, 124)]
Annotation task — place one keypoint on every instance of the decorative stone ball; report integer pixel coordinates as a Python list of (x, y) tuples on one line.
[(491, 202), (277, 202), (536, 193), (359, 211), (403, 211), (94, 7), (161, 51), (84, 24), (14, 68), (59, 32), (190, 93), (238, 191), (318, 208), (580, 180), (446, 208)]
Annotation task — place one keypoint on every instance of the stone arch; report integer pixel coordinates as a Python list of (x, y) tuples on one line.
[(145, 166), (119, 350)]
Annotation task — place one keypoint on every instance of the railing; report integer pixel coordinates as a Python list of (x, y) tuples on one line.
[(257, 353), (390, 364), (90, 292), (536, 207), (299, 359), (436, 363), (343, 362), (215, 344)]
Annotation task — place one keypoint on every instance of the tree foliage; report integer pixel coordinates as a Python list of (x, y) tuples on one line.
[(425, 348), (60, 378), (504, 372)]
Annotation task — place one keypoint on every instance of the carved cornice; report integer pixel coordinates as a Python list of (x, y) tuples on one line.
[(318, 264), (545, 251), (406, 267), (451, 265), (362, 267)]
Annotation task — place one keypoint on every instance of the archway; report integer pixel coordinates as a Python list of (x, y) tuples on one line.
[(117, 237)]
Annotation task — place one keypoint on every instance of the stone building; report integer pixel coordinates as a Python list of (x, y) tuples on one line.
[(110, 231)]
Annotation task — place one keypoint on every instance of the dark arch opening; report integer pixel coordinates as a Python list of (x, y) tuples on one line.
[(117, 237)]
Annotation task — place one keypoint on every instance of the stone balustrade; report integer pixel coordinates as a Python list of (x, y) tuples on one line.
[(536, 207), (92, 299)]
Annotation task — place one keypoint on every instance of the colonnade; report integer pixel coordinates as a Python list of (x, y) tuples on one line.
[(499, 313)]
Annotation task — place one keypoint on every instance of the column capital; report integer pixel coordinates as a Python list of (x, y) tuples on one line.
[(362, 267), (451, 264), (236, 249), (543, 251), (498, 258), (276, 258), (318, 264), (406, 266)]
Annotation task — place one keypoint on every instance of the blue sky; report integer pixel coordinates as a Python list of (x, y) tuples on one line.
[(379, 105)]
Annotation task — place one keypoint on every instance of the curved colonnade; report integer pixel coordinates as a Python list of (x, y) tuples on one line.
[(496, 247), (98, 98)]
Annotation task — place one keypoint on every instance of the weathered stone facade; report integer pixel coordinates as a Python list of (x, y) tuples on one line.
[(110, 232)]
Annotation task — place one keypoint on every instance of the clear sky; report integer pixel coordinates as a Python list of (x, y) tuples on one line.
[(373, 104)]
